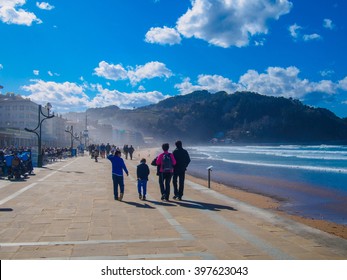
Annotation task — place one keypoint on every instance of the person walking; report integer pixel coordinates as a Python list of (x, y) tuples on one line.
[(118, 166), (142, 172), (182, 161), (154, 163), (108, 149), (96, 153), (166, 162), (131, 151), (126, 151)]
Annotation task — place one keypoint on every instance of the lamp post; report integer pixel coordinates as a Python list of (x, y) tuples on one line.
[(69, 129), (39, 127)]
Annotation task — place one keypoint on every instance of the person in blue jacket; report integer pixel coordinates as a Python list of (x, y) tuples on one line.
[(118, 166)]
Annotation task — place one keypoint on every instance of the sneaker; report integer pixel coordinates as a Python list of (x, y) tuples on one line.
[(174, 197), (116, 198), (140, 196), (121, 196), (179, 198), (144, 197)]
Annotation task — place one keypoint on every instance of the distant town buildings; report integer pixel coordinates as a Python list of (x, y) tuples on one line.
[(18, 113)]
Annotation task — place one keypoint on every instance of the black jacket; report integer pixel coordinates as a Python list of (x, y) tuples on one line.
[(182, 160), (142, 171)]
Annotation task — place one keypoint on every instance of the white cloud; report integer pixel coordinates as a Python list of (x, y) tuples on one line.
[(63, 96), (50, 73), (117, 72), (106, 97), (310, 37), (328, 24), (276, 81), (111, 71), (295, 32), (36, 72), (150, 70), (44, 6), (325, 86), (293, 29), (69, 96), (279, 81), (228, 23), (212, 83), (141, 88), (1, 66), (342, 84), (163, 36), (187, 87), (11, 13), (327, 73)]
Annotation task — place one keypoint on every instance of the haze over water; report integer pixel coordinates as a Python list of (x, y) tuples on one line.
[(310, 181)]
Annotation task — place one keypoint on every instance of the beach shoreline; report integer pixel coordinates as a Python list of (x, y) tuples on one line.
[(272, 204), (260, 200)]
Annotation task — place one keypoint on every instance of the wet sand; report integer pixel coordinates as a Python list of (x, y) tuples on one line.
[(272, 203), (266, 202)]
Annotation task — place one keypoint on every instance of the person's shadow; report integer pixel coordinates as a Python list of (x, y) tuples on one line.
[(204, 205), (162, 203), (139, 205), (6, 209), (185, 203)]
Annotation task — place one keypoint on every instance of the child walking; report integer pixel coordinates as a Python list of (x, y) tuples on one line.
[(142, 172)]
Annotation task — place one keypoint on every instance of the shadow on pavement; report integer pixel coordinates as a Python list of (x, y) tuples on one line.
[(62, 171), (6, 209), (139, 205), (204, 205)]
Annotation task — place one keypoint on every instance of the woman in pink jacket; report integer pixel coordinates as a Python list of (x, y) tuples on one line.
[(166, 162)]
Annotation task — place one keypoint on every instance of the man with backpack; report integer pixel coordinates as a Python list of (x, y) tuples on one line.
[(166, 162)]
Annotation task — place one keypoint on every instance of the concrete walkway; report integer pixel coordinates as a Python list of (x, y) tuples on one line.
[(67, 211)]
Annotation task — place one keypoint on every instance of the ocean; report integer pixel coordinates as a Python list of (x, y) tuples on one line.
[(310, 181)]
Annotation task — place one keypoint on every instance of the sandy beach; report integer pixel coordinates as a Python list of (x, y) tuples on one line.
[(265, 202), (255, 199)]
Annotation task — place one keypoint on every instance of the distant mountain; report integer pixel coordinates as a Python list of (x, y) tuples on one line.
[(240, 117)]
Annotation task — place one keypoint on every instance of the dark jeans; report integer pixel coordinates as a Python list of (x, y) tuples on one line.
[(178, 189), (117, 180), (142, 187), (164, 183)]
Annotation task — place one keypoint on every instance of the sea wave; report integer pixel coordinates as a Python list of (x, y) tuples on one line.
[(321, 158), (300, 152), (303, 167)]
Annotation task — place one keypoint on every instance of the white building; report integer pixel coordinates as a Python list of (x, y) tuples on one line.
[(18, 113)]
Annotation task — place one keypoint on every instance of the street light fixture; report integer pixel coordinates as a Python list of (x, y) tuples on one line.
[(69, 129), (48, 107)]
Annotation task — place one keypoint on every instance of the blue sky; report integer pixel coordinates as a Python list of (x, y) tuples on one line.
[(130, 53)]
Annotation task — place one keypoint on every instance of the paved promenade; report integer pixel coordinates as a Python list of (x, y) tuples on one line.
[(67, 211)]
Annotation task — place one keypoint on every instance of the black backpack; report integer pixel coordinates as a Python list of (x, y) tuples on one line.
[(167, 165)]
